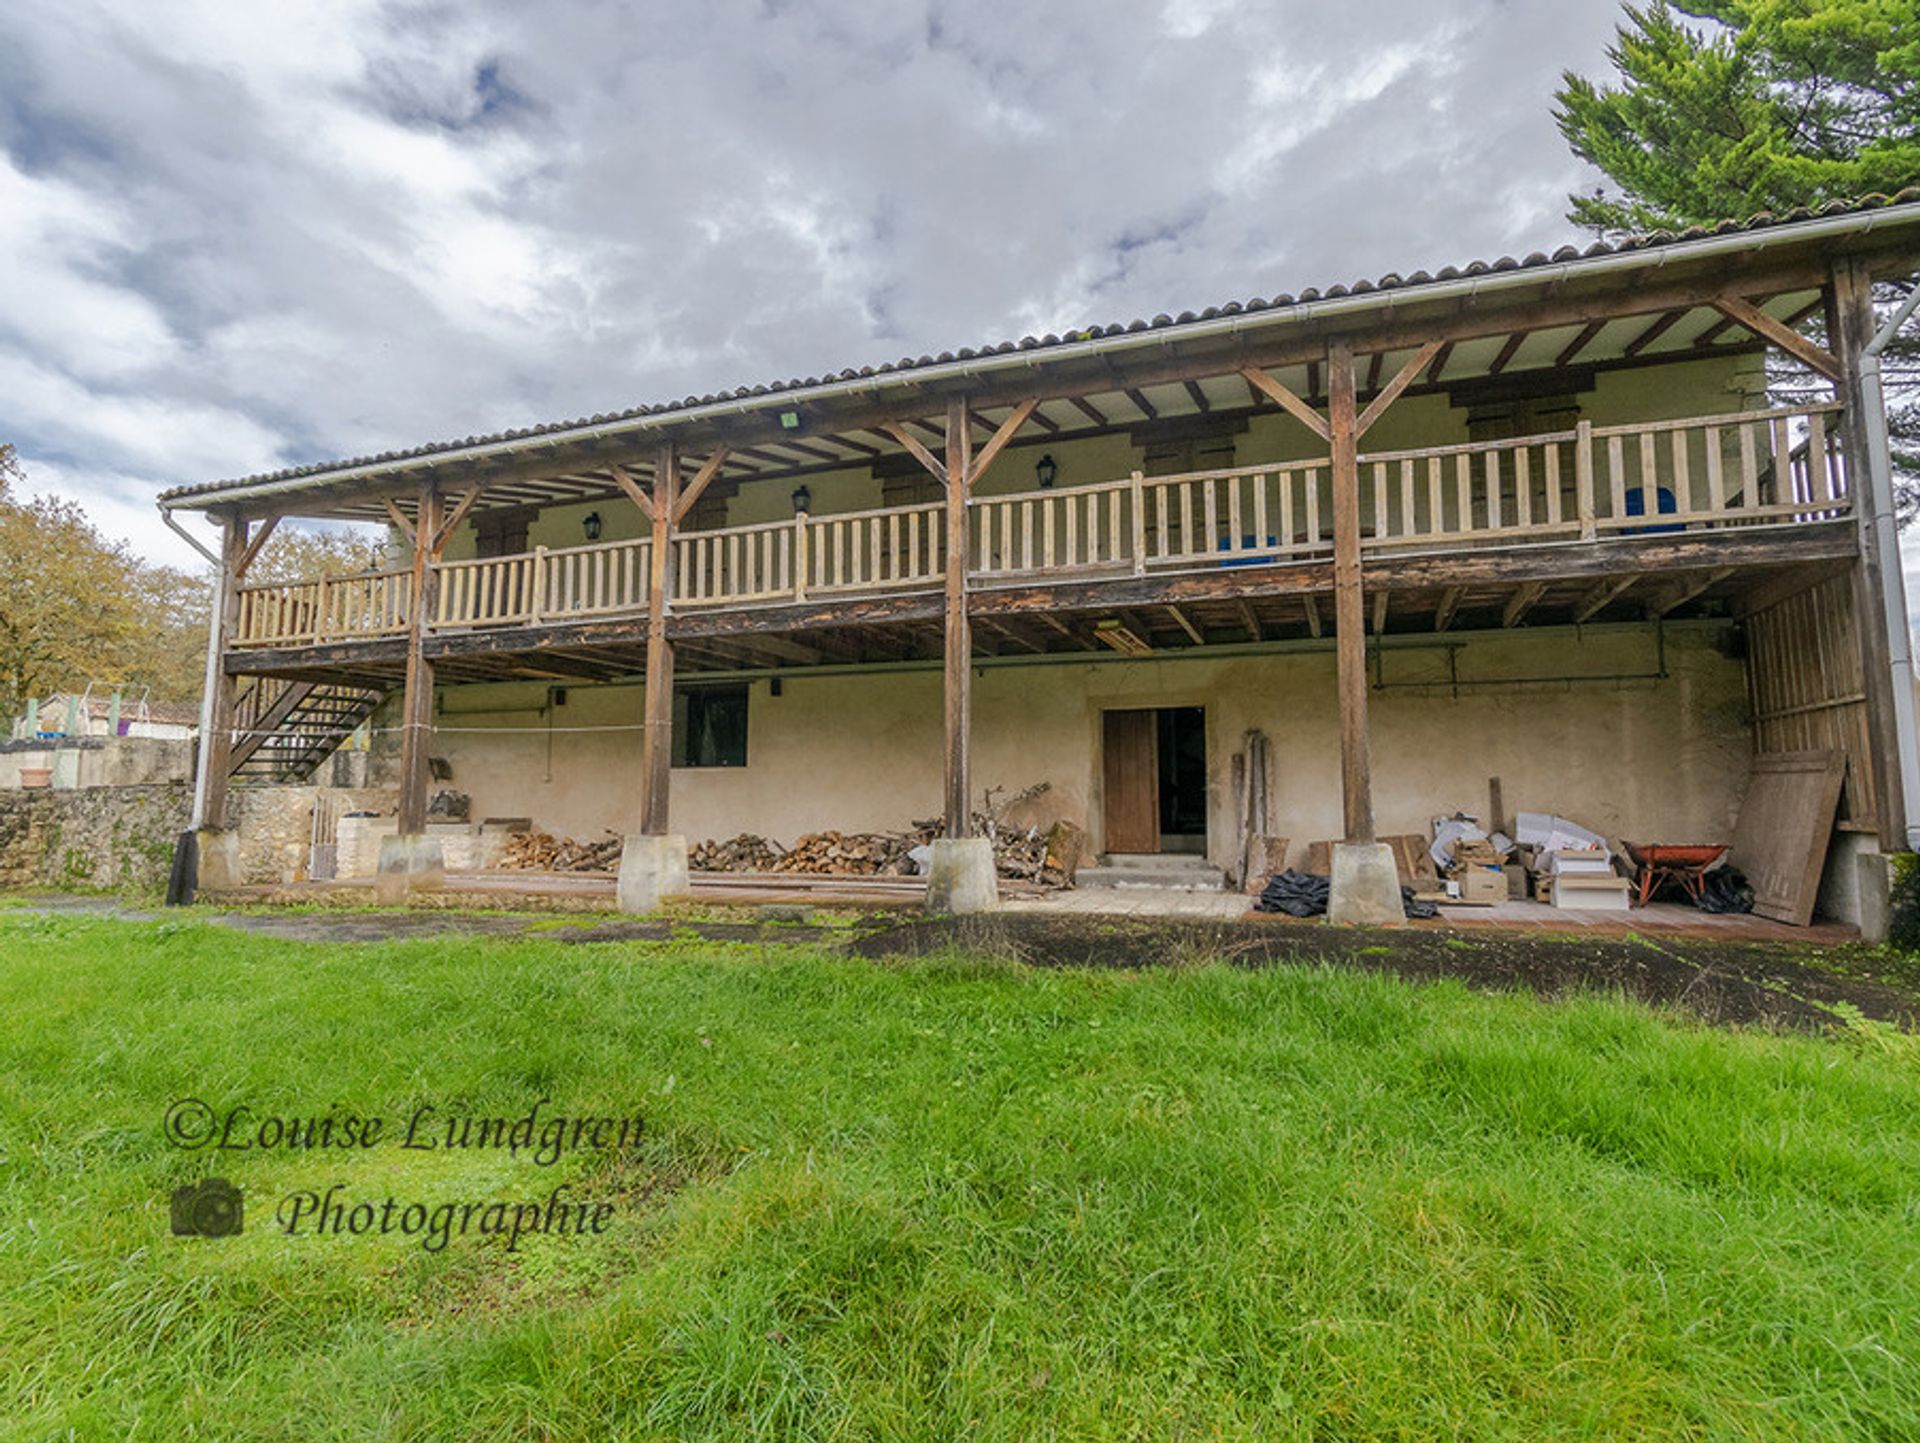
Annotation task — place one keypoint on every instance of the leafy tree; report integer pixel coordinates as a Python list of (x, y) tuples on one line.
[(1761, 105), (77, 608), (297, 554)]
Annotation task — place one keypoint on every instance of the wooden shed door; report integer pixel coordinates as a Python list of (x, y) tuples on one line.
[(1131, 765)]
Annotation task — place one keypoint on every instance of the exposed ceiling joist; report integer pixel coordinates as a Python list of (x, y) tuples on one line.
[(1600, 596)]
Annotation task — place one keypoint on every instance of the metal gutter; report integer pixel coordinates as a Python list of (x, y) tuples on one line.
[(1860, 223)]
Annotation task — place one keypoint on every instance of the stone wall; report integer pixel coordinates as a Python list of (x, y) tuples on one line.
[(108, 837), (276, 825)]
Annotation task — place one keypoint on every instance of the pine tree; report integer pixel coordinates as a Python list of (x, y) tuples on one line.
[(1760, 105)]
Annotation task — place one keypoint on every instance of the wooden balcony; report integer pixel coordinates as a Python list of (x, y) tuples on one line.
[(1745, 473)]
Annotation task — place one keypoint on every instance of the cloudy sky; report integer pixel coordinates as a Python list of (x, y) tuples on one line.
[(238, 235)]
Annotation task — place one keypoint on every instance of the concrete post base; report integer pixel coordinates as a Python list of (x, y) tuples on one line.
[(652, 869), (1366, 886), (1876, 896), (961, 878), (219, 860), (409, 864)]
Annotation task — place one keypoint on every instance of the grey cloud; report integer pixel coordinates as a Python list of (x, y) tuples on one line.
[(351, 224)]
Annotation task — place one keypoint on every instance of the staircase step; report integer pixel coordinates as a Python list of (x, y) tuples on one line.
[(1177, 874)]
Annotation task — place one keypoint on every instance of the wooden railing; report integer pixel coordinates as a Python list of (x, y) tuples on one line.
[(1749, 468), (334, 608), (608, 578), (1744, 468), (884, 550), (1242, 516)]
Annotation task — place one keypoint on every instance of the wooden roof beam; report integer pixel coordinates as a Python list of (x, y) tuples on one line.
[(1508, 351), (1443, 614), (1580, 342), (1521, 602), (1660, 326), (1814, 357), (1670, 598), (1379, 613), (1293, 404), (1186, 625), (1600, 596)]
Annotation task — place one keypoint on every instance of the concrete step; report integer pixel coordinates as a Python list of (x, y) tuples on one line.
[(1157, 861), (1168, 873)]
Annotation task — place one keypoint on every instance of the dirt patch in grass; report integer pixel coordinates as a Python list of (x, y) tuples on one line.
[(1729, 983)]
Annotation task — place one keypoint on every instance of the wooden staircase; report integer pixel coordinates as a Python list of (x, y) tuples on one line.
[(283, 730)]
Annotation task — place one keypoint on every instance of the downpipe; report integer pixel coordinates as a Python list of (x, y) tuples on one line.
[(1893, 584), (203, 771)]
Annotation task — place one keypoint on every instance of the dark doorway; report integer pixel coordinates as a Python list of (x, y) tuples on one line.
[(1154, 764), (1183, 779)]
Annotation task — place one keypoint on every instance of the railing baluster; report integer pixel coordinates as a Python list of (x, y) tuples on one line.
[(1649, 477), (1817, 466), (1583, 478), (1782, 460), (1749, 470)]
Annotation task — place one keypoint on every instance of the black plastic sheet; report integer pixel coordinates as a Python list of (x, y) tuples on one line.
[(1301, 894)]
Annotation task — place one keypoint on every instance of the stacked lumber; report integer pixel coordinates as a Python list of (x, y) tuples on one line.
[(744, 853), (544, 852)]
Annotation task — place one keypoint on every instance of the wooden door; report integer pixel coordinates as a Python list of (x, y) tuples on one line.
[(1131, 768)]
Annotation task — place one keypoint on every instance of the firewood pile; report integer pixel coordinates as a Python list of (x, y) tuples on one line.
[(744, 853), (1047, 859), (544, 852), (854, 854)]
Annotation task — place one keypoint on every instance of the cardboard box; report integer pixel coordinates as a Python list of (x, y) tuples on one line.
[(1482, 886), (1589, 893)]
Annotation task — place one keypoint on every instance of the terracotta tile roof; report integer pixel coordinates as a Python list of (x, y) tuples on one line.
[(1393, 281)]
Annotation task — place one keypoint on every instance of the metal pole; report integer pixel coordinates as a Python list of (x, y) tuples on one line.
[(203, 771)]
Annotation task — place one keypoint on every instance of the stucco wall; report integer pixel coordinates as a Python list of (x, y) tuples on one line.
[(1645, 758)]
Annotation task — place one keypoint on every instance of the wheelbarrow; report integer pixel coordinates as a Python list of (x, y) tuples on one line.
[(1660, 863)]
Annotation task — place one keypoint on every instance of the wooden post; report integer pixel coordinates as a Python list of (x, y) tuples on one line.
[(216, 740), (416, 705), (1349, 608), (1850, 326), (656, 750), (959, 638)]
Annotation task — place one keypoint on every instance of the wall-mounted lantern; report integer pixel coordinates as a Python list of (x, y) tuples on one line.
[(802, 500), (590, 523), (1045, 470)]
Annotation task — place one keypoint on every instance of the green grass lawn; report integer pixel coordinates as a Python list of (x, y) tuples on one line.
[(949, 1199)]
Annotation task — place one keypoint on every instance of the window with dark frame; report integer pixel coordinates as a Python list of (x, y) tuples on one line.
[(710, 726)]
